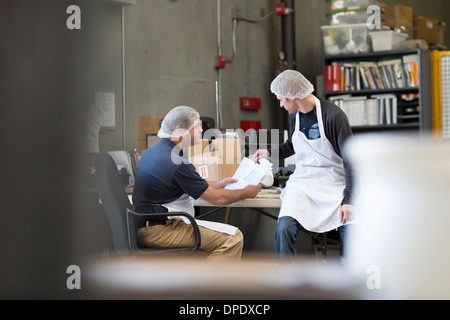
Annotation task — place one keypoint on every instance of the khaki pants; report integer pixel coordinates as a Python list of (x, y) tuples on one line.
[(176, 233)]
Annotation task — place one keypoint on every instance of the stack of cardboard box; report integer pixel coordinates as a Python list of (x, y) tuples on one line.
[(426, 29), (419, 27)]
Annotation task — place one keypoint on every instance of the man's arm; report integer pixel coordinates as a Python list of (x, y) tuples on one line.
[(285, 149), (281, 151), (222, 183), (222, 197)]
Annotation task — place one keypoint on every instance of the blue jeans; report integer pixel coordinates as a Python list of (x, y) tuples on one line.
[(286, 236)]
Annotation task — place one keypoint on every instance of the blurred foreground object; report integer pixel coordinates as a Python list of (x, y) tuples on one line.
[(186, 278), (404, 214)]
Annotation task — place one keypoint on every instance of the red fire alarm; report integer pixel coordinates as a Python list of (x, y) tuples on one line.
[(280, 9), (221, 63), (250, 103)]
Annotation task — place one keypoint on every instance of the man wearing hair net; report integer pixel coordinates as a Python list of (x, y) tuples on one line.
[(318, 195), (165, 177)]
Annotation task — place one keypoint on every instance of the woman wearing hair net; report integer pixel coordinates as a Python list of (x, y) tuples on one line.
[(318, 195), (165, 177)]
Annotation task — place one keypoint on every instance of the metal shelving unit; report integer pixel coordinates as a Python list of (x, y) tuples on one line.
[(424, 90)]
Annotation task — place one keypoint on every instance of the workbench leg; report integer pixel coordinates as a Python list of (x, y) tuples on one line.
[(227, 215)]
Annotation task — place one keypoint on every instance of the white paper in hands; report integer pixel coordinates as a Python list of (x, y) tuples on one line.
[(249, 173)]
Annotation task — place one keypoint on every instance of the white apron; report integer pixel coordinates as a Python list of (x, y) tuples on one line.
[(185, 203), (314, 192)]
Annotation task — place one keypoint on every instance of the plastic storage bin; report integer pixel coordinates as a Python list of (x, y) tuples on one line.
[(385, 40), (345, 39), (349, 11), (336, 5), (348, 16)]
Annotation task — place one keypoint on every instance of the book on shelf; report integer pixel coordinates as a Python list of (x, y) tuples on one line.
[(401, 72), (411, 62)]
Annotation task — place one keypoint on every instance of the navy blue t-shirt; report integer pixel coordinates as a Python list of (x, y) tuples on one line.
[(163, 175), (309, 125)]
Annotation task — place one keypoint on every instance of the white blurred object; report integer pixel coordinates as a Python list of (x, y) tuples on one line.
[(401, 241), (267, 180)]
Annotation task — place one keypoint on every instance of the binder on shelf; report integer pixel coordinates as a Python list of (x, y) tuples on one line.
[(373, 112), (388, 106), (379, 109)]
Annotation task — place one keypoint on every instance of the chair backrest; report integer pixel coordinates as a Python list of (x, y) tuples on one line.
[(113, 196)]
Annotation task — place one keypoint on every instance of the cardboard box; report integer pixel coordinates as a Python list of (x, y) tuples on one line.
[(396, 16), (426, 29), (207, 166), (142, 145), (199, 149), (229, 150), (147, 125), (217, 160)]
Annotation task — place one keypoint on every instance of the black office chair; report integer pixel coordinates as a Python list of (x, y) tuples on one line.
[(122, 218)]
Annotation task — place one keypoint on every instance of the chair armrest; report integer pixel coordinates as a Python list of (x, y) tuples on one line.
[(132, 238)]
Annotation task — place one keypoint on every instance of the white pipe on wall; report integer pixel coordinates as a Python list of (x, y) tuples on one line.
[(123, 81), (219, 81)]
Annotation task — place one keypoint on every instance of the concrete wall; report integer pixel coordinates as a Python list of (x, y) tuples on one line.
[(170, 55)]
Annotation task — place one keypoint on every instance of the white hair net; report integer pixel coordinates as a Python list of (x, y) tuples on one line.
[(291, 84), (182, 116)]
